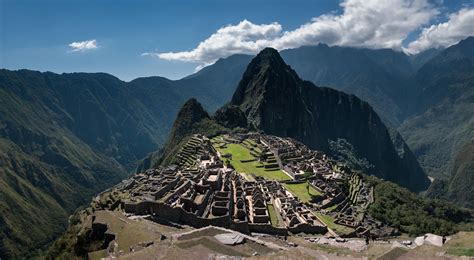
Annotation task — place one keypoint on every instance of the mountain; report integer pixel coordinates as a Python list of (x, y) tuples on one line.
[(191, 119), (278, 102), (383, 78), (214, 85), (461, 188), (444, 123), (65, 137), (51, 132), (455, 65), (458, 186), (420, 59)]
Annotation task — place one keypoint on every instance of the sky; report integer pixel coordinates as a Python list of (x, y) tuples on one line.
[(175, 38)]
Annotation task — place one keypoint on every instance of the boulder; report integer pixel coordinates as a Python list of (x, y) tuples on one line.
[(419, 240), (230, 238), (432, 239)]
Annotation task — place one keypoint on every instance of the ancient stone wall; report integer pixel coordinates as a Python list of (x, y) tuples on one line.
[(267, 229), (308, 229), (166, 188)]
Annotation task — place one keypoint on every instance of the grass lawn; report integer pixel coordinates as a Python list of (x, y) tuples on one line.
[(273, 217), (461, 244), (332, 207), (239, 152), (461, 251), (129, 232), (300, 190), (329, 221), (101, 254)]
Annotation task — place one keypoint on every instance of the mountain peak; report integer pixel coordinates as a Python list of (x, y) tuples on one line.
[(268, 53), (267, 73), (191, 112), (266, 58)]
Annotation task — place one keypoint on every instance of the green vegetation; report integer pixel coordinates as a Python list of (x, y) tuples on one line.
[(332, 207), (273, 215), (438, 134), (302, 190), (241, 153), (355, 183), (461, 251), (36, 197), (329, 222), (186, 157), (415, 215), (461, 244)]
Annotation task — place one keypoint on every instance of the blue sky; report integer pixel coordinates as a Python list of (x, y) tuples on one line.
[(131, 36)]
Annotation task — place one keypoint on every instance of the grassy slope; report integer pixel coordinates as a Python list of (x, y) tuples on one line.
[(273, 215)]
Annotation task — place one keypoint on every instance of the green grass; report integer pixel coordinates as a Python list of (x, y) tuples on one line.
[(273, 217), (240, 152), (329, 221), (461, 251), (101, 254), (300, 190), (332, 207), (461, 244), (129, 232)]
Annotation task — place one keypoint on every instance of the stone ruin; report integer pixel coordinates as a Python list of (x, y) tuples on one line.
[(201, 190)]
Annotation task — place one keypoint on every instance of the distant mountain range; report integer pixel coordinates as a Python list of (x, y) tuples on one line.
[(65, 137)]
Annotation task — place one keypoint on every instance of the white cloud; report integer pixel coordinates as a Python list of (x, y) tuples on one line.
[(459, 26), (362, 23), (84, 45), (244, 37)]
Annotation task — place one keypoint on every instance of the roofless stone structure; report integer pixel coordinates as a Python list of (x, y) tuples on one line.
[(253, 183)]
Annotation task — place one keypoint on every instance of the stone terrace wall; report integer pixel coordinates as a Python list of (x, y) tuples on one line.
[(179, 215), (166, 188), (267, 229), (308, 229)]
